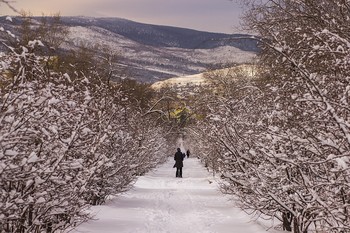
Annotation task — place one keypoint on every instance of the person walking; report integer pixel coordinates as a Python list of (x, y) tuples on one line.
[(188, 153), (178, 157)]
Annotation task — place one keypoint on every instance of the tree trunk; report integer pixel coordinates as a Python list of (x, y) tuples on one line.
[(296, 225), (287, 221)]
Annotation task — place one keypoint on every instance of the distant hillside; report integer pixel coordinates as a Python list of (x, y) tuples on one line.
[(190, 82), (165, 36), (151, 52)]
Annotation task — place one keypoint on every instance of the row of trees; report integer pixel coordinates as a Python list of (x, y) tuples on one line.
[(281, 138), (69, 137)]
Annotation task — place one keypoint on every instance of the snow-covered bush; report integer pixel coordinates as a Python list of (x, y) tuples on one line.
[(130, 147), (283, 138), (66, 141), (306, 44), (41, 164)]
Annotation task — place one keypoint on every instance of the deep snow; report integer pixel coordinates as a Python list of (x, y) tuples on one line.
[(161, 203)]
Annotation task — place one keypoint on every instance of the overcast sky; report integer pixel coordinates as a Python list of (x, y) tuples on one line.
[(207, 15)]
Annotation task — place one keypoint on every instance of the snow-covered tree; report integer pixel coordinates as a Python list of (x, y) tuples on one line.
[(283, 138), (40, 161), (306, 47), (67, 141)]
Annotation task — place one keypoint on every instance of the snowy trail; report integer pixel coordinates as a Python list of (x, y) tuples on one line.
[(161, 203)]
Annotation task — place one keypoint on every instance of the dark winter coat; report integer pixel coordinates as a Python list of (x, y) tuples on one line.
[(178, 158)]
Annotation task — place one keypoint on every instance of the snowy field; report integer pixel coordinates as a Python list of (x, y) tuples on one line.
[(200, 80), (161, 203)]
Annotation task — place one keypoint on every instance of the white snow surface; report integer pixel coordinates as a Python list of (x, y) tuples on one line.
[(200, 80), (194, 80), (161, 203)]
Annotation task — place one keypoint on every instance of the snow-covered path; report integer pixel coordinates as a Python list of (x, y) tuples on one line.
[(161, 203)]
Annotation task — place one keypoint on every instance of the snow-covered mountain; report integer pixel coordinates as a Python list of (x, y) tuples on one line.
[(152, 52)]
